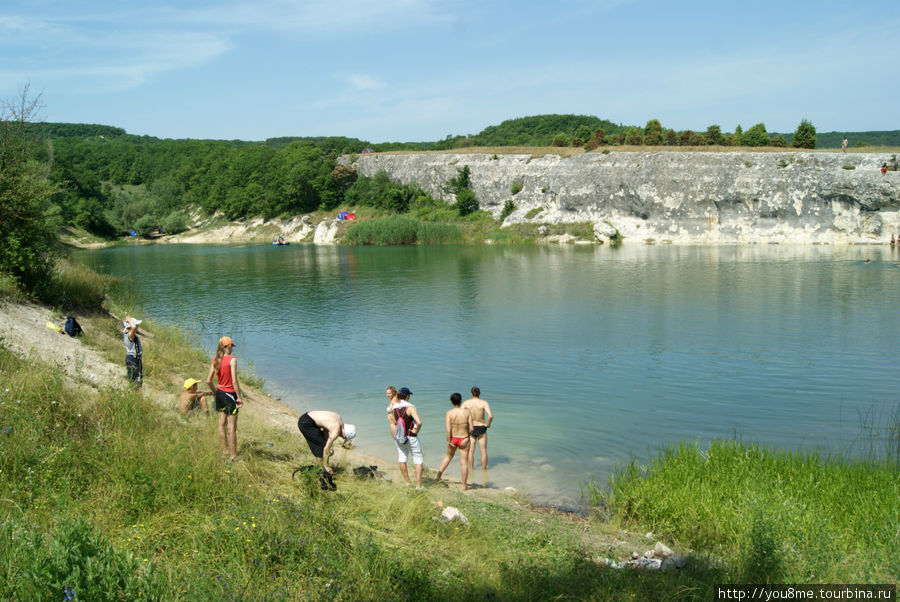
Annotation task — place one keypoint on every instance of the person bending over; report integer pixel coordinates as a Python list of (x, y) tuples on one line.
[(320, 428)]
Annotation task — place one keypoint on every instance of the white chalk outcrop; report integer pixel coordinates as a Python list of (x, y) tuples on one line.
[(673, 196)]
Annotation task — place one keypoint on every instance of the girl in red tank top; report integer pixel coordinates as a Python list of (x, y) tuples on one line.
[(228, 398)]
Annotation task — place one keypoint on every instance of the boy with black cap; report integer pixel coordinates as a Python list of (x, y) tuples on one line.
[(405, 412)]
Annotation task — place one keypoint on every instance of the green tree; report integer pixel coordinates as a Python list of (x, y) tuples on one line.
[(28, 238), (714, 135), (653, 133), (737, 137), (689, 138), (560, 139), (466, 202), (755, 136), (633, 136), (582, 135), (804, 135)]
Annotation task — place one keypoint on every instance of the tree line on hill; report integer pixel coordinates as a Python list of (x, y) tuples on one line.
[(109, 182)]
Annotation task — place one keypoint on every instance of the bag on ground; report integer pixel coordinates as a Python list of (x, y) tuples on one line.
[(72, 327)]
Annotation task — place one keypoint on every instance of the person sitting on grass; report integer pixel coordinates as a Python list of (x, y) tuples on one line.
[(191, 398)]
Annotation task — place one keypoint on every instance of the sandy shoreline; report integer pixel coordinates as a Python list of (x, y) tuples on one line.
[(24, 331)]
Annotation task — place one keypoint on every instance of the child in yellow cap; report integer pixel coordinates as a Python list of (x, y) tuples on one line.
[(192, 398)]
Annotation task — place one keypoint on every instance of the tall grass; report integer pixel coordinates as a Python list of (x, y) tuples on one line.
[(392, 230), (75, 287), (401, 230), (772, 515)]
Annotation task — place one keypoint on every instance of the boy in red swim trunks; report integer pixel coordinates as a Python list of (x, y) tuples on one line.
[(458, 423)]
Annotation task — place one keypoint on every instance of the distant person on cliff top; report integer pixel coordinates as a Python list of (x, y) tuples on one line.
[(844, 145), (458, 425), (478, 407), (408, 445), (321, 428), (884, 168), (228, 395)]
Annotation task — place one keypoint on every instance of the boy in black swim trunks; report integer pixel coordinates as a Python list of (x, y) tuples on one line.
[(320, 428), (478, 407)]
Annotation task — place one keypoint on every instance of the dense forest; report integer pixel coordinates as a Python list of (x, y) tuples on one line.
[(109, 182)]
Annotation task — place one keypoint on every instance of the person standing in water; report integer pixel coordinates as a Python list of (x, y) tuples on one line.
[(458, 424), (228, 395), (478, 407)]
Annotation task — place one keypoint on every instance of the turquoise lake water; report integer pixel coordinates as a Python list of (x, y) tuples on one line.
[(589, 356)]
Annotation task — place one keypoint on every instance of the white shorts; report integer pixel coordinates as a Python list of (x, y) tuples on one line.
[(412, 446)]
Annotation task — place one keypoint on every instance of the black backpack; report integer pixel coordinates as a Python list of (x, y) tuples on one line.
[(72, 327)]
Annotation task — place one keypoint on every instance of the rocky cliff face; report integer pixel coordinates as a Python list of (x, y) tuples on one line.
[(676, 197)]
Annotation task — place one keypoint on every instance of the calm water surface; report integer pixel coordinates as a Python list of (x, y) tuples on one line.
[(588, 356)]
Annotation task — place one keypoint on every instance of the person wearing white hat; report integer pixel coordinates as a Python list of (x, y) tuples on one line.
[(134, 365), (320, 428)]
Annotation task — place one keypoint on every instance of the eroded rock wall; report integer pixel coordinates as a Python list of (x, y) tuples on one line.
[(677, 197)]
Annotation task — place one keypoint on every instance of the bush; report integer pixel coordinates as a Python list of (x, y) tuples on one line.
[(508, 208), (560, 140), (755, 136), (175, 222), (74, 563), (805, 135), (653, 133), (714, 135), (466, 202), (145, 225), (516, 187), (634, 137)]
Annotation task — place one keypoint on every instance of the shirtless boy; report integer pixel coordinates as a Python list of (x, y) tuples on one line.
[(458, 423), (192, 398), (320, 428), (478, 407)]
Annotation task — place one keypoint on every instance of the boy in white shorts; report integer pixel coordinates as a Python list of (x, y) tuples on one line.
[(402, 410)]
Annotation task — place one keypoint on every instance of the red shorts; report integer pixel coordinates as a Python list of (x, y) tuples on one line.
[(457, 441)]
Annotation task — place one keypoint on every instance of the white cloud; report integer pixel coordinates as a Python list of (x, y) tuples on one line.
[(365, 82)]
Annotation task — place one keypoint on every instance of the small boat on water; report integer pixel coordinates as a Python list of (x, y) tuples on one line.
[(280, 243)]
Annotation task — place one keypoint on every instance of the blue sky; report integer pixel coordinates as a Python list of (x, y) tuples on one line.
[(417, 70)]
